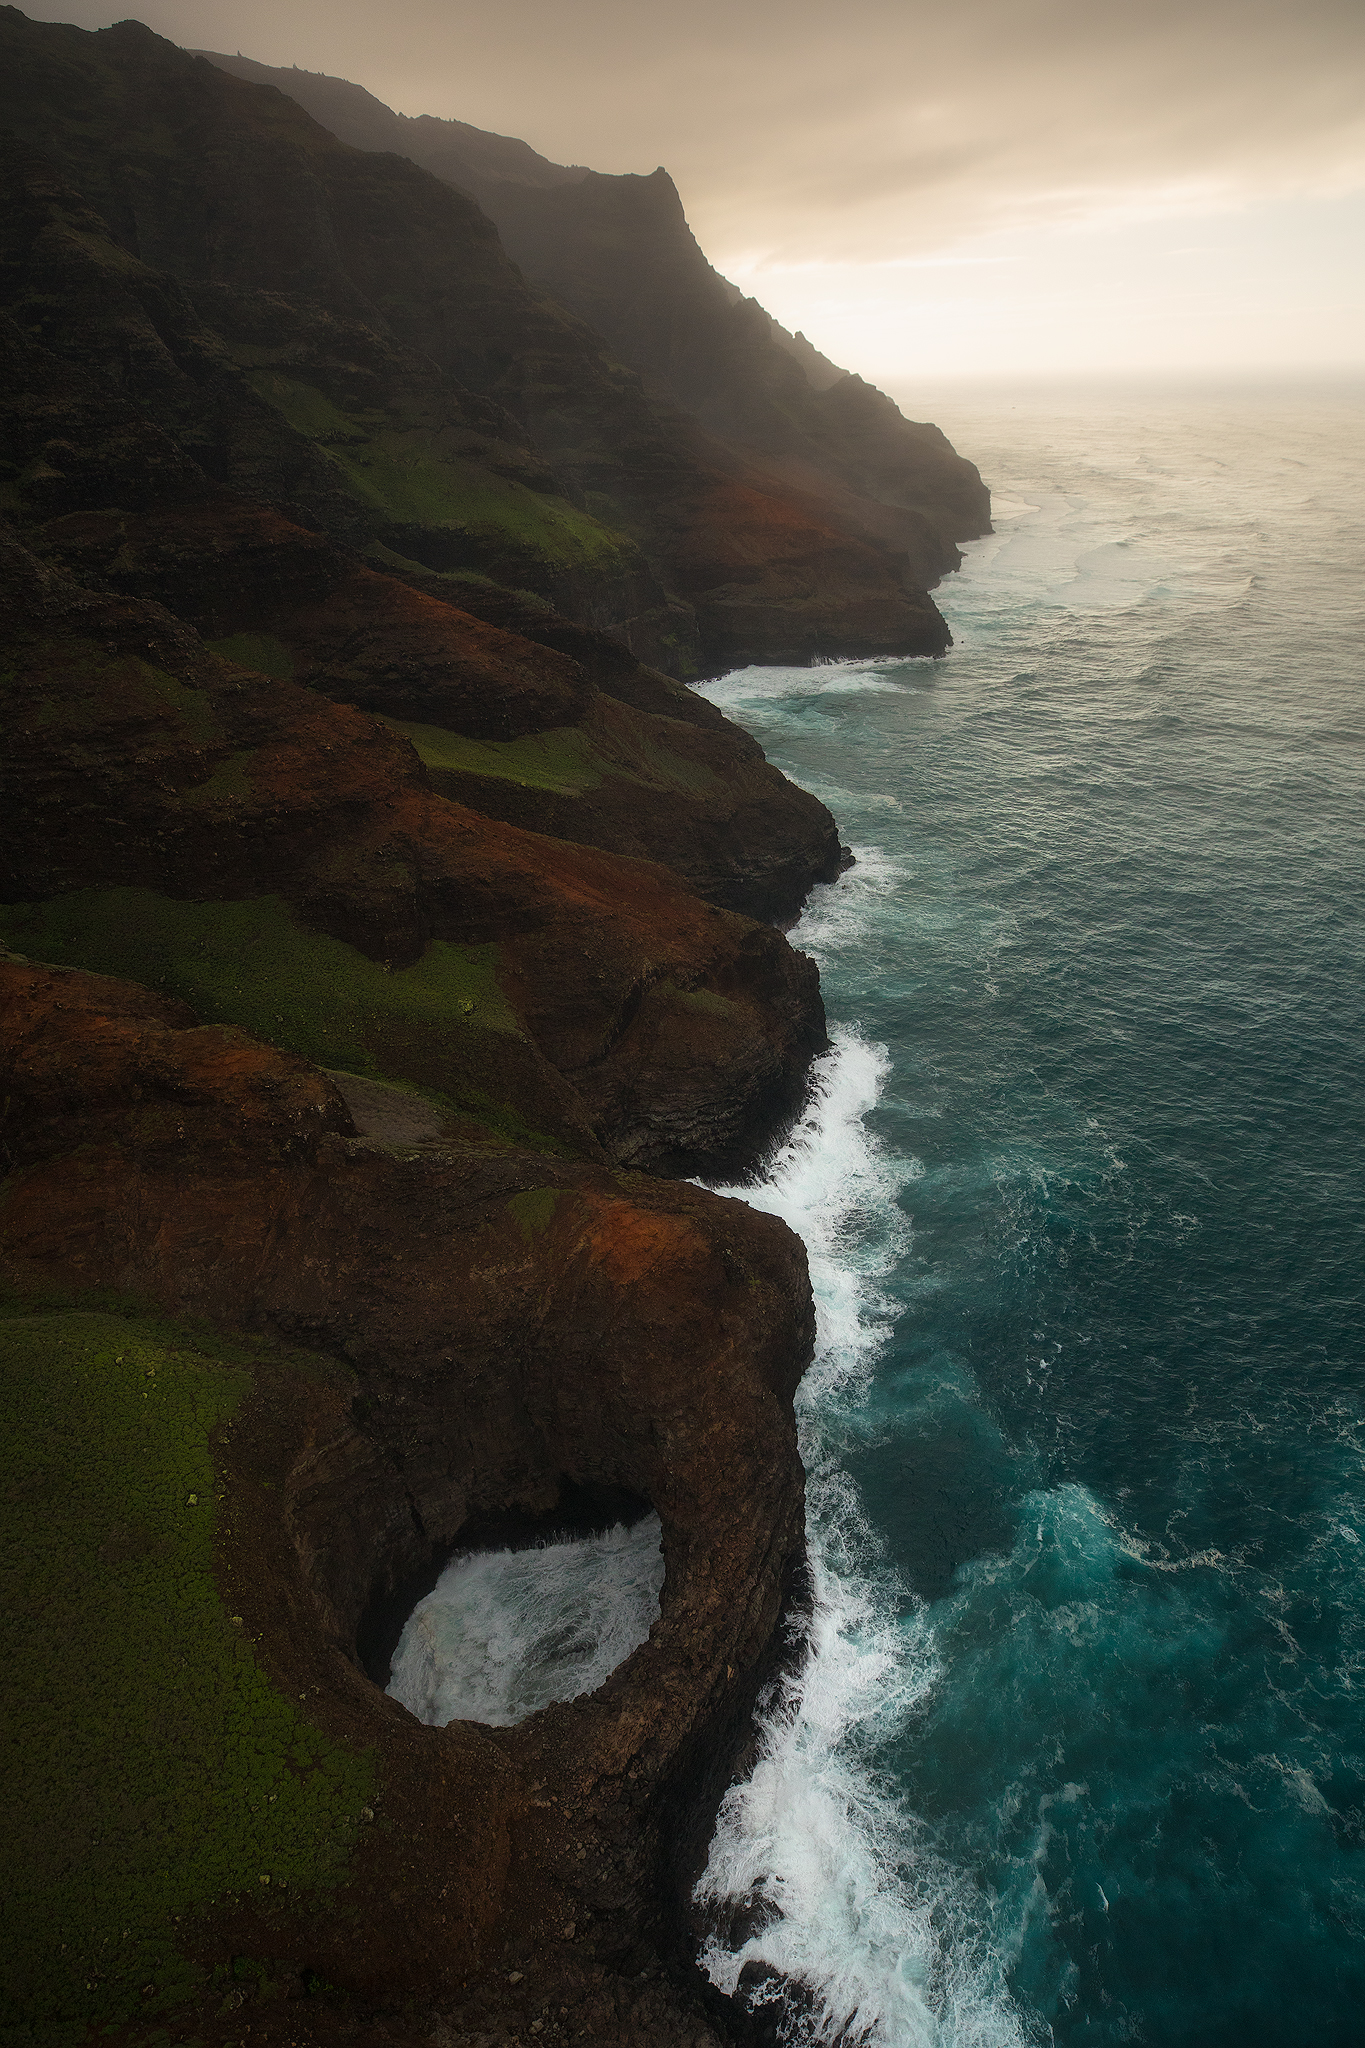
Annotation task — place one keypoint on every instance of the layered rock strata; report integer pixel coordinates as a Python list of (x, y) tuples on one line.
[(626, 1012), (525, 1330)]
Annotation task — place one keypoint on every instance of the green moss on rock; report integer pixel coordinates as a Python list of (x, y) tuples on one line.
[(704, 999), (191, 707), (562, 760), (149, 1766), (250, 963), (231, 778), (534, 1210), (402, 470), (442, 1026), (262, 651), (85, 677)]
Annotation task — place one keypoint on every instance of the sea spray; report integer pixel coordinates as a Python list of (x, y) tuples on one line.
[(505, 1632), (1116, 1438), (813, 1856)]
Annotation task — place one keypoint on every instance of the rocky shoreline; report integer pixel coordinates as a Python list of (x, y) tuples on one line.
[(386, 933), (516, 1340)]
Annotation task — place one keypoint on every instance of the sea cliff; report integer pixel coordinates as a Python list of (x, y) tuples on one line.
[(387, 932)]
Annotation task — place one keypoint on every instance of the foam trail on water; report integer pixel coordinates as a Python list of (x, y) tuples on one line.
[(816, 1873), (504, 1632)]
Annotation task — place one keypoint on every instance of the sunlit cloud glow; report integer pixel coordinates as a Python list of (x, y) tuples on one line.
[(1021, 185)]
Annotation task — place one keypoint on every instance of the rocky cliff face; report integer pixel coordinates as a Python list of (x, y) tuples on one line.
[(381, 919), (618, 252), (260, 817), (341, 335), (522, 1338), (526, 1332), (626, 1007)]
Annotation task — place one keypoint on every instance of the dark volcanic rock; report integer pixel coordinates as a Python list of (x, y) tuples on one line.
[(234, 569), (347, 583), (662, 790), (236, 261), (671, 779), (618, 252), (677, 1033), (636, 1340)]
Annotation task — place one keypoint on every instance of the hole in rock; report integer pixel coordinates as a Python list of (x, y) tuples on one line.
[(504, 1632), (578, 1511)]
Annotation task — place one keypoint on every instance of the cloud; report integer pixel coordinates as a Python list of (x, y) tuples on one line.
[(876, 133), (799, 114)]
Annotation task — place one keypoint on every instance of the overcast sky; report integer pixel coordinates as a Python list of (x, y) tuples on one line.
[(1000, 188)]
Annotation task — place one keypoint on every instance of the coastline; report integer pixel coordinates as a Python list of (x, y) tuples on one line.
[(1112, 1442), (389, 939)]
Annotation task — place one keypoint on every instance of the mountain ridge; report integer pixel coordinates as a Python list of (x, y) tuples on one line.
[(618, 251), (425, 399), (454, 150), (384, 929)]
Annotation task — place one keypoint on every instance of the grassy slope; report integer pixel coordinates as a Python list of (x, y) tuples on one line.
[(261, 651), (149, 1766), (568, 760), (401, 470), (563, 760), (442, 1025)]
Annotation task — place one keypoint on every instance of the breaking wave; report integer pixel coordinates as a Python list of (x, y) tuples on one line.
[(505, 1632), (824, 1894)]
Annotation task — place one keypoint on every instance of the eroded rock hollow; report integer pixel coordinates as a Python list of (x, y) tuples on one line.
[(385, 931)]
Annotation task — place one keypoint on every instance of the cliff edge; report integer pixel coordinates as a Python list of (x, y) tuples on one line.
[(385, 932)]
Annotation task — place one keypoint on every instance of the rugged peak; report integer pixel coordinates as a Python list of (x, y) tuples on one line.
[(617, 250), (454, 150), (340, 334)]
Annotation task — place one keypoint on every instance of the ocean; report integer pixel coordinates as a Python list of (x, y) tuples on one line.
[(1077, 1751)]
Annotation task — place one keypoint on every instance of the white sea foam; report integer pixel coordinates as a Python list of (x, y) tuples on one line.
[(835, 1888), (504, 1632), (1003, 508), (842, 916), (769, 687)]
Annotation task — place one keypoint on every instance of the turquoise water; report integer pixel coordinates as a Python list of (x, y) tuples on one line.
[(1079, 1750)]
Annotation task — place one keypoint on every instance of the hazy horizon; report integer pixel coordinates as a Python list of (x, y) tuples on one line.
[(1031, 191)]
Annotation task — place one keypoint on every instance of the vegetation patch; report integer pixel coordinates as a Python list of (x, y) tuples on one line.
[(620, 745), (534, 1210), (443, 1025), (652, 750), (149, 1765), (473, 1114), (191, 707), (405, 473), (84, 678), (474, 580), (562, 760), (261, 651), (704, 999), (250, 963), (231, 778)]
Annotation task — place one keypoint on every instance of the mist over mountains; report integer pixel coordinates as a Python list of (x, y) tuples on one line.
[(487, 166), (667, 472), (617, 251)]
